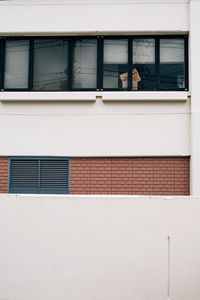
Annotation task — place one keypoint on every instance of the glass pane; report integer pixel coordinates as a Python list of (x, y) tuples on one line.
[(50, 64), (172, 66), (16, 64), (115, 68), (84, 63), (143, 71)]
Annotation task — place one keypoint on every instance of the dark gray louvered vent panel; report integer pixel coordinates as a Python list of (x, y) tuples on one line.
[(23, 175), (54, 175)]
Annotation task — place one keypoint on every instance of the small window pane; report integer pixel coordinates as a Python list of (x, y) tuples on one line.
[(115, 68), (172, 65), (50, 64), (16, 64), (84, 64), (143, 70)]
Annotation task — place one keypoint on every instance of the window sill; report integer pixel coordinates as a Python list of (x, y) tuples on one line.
[(156, 96), (47, 96), (146, 96)]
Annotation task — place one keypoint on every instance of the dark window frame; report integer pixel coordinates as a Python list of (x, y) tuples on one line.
[(100, 45), (38, 190)]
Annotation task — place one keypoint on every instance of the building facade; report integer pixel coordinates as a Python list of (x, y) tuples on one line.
[(100, 98)]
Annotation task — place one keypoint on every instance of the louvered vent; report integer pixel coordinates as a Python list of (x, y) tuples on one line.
[(24, 175), (54, 175), (39, 176)]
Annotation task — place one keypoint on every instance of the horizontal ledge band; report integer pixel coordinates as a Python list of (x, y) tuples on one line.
[(93, 96)]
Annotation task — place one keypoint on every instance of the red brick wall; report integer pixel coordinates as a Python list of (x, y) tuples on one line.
[(3, 175), (130, 176)]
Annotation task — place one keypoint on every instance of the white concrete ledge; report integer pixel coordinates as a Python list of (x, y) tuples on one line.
[(92, 96), (145, 96), (47, 96)]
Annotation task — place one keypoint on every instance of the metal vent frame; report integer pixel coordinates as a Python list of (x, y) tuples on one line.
[(63, 188)]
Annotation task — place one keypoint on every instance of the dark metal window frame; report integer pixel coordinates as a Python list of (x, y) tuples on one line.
[(100, 46), (38, 191)]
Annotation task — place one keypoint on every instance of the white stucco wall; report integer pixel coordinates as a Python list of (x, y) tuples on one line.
[(96, 128), (75, 16), (99, 247), (195, 104)]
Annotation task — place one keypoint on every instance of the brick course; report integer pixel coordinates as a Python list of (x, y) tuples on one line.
[(3, 175), (130, 176)]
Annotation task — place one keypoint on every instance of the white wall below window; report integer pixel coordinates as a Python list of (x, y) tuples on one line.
[(95, 128), (99, 247)]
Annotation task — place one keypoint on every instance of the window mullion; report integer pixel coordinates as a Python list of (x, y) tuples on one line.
[(2, 65), (186, 63), (70, 64), (99, 63), (31, 62), (157, 62), (130, 63)]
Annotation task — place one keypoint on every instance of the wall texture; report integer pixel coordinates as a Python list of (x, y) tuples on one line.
[(131, 176), (99, 247)]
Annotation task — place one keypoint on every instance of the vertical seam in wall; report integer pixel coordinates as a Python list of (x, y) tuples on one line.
[(111, 166), (90, 168)]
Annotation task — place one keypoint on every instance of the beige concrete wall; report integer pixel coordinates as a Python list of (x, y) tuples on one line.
[(101, 16), (99, 247), (147, 126)]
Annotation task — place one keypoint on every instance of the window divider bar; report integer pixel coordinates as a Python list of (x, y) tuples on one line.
[(2, 65), (186, 63), (99, 63), (157, 62), (130, 62), (70, 64), (31, 62)]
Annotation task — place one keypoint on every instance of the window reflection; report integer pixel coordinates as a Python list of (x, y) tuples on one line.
[(136, 63), (16, 64), (172, 66), (50, 64), (143, 74), (115, 68), (84, 58)]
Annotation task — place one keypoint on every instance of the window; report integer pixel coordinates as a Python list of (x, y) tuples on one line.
[(84, 60), (16, 64), (50, 66), (172, 66), (39, 175), (144, 68), (128, 63), (115, 64)]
